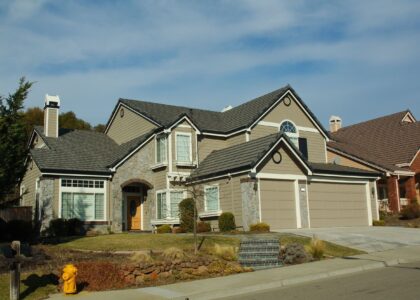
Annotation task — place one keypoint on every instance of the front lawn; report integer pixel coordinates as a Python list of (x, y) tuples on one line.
[(32, 286)]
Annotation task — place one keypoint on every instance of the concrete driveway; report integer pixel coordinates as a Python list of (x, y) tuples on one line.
[(369, 239)]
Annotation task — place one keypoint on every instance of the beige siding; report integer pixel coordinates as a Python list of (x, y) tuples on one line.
[(316, 146), (236, 139), (207, 144), (337, 204), (288, 165), (52, 115), (261, 131), (278, 207), (293, 112), (124, 129), (344, 161), (29, 180)]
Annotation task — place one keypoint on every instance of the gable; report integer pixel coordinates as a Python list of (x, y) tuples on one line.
[(288, 164), (338, 159), (127, 125)]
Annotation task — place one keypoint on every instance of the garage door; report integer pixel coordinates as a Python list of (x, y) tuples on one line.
[(278, 203), (337, 204)]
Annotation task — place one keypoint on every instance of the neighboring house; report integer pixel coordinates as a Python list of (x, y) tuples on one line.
[(389, 145), (264, 160)]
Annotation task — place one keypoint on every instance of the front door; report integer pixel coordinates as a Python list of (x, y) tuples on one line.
[(134, 212)]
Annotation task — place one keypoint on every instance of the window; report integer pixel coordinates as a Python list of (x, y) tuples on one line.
[(183, 147), (167, 204), (83, 199), (290, 129), (211, 198), (161, 143)]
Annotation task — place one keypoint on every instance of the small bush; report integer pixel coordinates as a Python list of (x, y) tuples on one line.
[(227, 222), (203, 227), (75, 227), (294, 254), (259, 227), (317, 248), (99, 276), (58, 228), (19, 230), (225, 252), (139, 257), (3, 230), (178, 230), (410, 211), (173, 253), (164, 229), (186, 214), (378, 223)]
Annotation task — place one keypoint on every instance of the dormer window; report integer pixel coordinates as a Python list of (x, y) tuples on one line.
[(161, 149), (290, 129)]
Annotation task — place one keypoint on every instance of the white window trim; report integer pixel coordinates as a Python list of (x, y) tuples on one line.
[(67, 189), (190, 162), (165, 162), (218, 198), (168, 204), (290, 134)]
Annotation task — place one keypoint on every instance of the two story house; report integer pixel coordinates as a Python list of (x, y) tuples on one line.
[(264, 161)]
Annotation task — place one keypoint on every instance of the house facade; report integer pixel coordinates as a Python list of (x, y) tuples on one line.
[(389, 145), (265, 160)]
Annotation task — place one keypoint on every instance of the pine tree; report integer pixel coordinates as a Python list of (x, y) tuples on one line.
[(13, 137)]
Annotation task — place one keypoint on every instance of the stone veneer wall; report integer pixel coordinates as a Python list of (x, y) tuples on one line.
[(136, 167), (250, 203), (46, 198)]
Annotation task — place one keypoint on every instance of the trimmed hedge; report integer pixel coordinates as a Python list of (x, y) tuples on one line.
[(227, 222), (164, 229), (259, 227), (186, 214), (62, 227), (203, 227)]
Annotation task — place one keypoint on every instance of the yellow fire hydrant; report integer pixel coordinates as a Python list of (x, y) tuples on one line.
[(69, 277)]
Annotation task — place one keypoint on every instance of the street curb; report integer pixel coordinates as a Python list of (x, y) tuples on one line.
[(292, 281)]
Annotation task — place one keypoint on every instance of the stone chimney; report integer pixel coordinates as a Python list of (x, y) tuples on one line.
[(335, 123), (51, 112)]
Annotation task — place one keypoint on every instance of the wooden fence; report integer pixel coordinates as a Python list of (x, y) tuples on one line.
[(16, 213)]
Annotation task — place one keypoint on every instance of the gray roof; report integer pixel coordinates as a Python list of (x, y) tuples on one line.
[(237, 118), (81, 151), (245, 156)]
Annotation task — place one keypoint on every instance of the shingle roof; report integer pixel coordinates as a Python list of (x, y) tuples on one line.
[(385, 141), (81, 151), (246, 155), (234, 119)]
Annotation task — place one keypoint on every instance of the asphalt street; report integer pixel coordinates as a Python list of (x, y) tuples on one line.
[(396, 282)]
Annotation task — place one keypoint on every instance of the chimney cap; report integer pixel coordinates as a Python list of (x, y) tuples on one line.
[(52, 100), (335, 119)]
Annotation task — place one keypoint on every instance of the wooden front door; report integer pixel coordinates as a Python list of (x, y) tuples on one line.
[(134, 212)]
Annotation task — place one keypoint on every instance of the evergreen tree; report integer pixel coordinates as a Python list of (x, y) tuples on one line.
[(13, 137)]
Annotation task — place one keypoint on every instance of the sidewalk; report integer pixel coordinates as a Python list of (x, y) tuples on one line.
[(216, 288)]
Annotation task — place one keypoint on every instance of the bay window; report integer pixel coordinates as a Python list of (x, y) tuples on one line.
[(167, 203), (183, 147), (211, 199)]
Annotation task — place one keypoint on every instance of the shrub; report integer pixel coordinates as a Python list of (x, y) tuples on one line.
[(99, 275), (186, 214), (203, 227), (378, 223), (164, 229), (140, 257), (317, 248), (75, 227), (178, 230), (294, 254), (259, 227), (3, 230), (225, 252), (227, 222), (410, 211), (173, 253), (58, 228), (19, 230)]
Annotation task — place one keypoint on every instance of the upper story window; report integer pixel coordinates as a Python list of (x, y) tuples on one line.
[(161, 149), (183, 147), (290, 129)]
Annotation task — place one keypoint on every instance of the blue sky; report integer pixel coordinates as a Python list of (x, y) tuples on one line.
[(355, 59)]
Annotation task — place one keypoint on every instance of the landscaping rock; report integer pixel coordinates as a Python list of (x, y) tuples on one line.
[(140, 279)]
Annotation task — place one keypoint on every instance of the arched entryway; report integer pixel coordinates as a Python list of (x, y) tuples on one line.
[(134, 194)]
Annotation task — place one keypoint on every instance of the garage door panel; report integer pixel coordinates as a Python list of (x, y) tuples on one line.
[(337, 204), (278, 203)]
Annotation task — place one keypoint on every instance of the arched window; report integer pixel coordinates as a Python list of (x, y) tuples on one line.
[(290, 129)]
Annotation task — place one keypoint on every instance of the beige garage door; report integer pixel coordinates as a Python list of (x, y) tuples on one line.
[(278, 203), (337, 204)]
